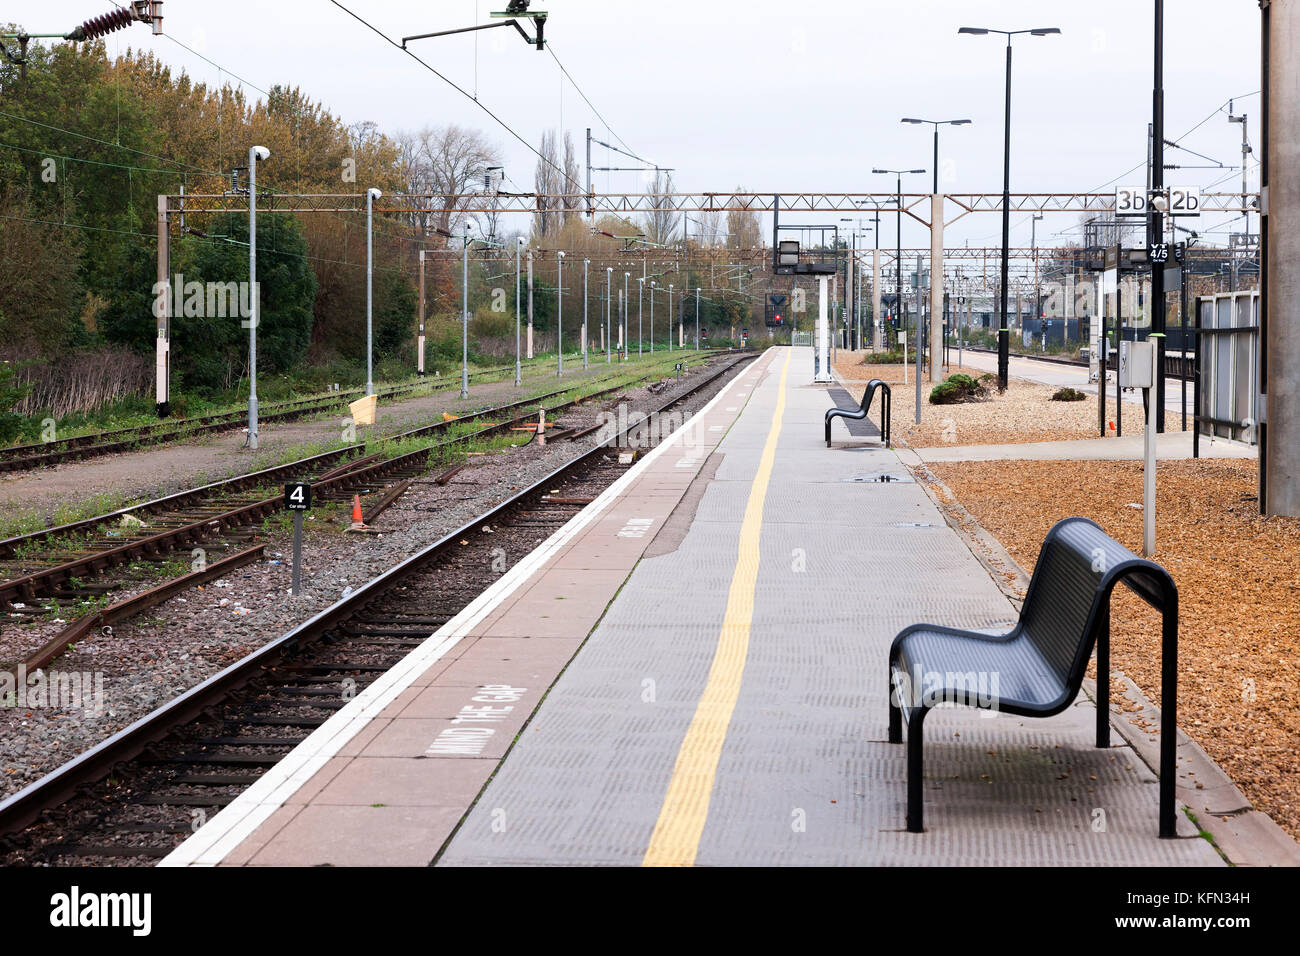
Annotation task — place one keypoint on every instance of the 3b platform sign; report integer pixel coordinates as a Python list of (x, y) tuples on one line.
[(297, 496)]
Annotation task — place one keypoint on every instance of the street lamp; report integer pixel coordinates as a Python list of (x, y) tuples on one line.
[(653, 285), (519, 245), (640, 300), (1004, 336), (464, 316), (670, 321), (898, 227), (936, 124), (371, 196), (559, 312), (585, 264), (697, 318), (627, 307), (609, 293), (254, 154)]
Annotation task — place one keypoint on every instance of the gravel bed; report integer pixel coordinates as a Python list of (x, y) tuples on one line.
[(148, 661), (1239, 598), (1024, 413)]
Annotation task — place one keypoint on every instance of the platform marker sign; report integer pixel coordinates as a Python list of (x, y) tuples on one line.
[(297, 498)]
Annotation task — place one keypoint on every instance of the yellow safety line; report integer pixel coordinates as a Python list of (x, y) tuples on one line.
[(676, 838)]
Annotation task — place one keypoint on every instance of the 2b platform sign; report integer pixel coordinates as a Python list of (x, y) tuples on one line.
[(1136, 201), (297, 496)]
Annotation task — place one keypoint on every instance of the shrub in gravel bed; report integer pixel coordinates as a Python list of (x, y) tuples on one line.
[(883, 358), (1068, 395), (957, 389)]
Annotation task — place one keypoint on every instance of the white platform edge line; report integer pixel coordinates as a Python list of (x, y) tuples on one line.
[(239, 819)]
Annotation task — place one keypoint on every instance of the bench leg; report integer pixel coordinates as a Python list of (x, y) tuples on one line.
[(828, 433), (895, 714), (915, 771), (1103, 677)]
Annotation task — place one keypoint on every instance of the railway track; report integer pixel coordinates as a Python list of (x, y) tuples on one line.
[(134, 797), (44, 454), (88, 549)]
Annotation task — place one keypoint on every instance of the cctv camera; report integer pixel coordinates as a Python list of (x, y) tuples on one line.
[(261, 153), (374, 194), (560, 254)]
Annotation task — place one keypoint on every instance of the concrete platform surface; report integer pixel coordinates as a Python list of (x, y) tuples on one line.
[(729, 708)]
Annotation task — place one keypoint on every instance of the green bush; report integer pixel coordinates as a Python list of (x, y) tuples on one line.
[(883, 358), (1068, 395), (957, 389)]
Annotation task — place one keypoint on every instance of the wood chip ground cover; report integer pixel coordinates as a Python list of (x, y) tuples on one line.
[(1024, 413), (1239, 594)]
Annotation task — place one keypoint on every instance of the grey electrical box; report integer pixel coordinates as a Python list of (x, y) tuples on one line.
[(1136, 364)]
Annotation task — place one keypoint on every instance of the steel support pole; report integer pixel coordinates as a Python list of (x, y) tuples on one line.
[(920, 336), (254, 297), (1004, 334), (697, 318), (370, 293), (1157, 230), (1279, 432), (519, 377), (529, 352), (163, 313), (419, 327), (585, 264), (464, 320), (877, 320), (936, 282), (559, 313)]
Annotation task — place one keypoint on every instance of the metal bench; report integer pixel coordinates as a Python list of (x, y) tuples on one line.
[(861, 411), (1036, 669)]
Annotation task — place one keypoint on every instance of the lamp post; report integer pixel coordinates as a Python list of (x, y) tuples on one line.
[(585, 264), (1004, 335), (255, 294), (653, 285), (898, 227), (627, 307), (464, 318), (640, 300), (609, 286), (936, 124), (559, 312), (697, 318), (1033, 251), (519, 245), (670, 321), (371, 196)]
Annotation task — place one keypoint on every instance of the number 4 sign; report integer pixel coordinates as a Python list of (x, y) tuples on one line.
[(297, 496)]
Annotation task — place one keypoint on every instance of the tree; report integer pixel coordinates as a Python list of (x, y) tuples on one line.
[(572, 183), (209, 350), (546, 184), (662, 221), (446, 162), (395, 304), (744, 229)]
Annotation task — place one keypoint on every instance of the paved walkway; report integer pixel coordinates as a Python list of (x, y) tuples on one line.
[(1171, 446), (730, 706)]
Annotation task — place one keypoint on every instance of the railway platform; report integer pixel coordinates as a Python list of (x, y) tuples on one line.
[(693, 672)]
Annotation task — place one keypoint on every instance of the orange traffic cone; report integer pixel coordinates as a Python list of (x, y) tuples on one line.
[(358, 521)]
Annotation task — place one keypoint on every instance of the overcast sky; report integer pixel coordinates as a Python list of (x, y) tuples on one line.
[(775, 96)]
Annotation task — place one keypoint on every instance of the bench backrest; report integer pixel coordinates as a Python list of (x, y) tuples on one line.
[(1076, 569)]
